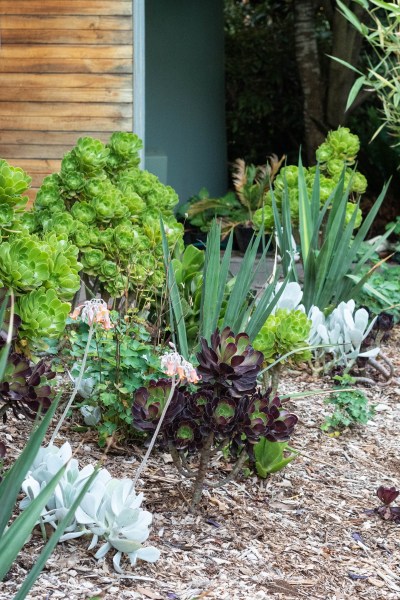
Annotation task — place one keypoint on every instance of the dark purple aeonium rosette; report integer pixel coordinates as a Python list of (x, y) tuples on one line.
[(25, 388), (229, 362), (149, 402)]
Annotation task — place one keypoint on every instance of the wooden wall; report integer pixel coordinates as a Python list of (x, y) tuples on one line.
[(65, 71)]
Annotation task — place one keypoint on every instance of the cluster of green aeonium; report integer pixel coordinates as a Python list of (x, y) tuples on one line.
[(110, 209), (42, 271), (338, 152), (224, 406), (283, 332), (25, 387)]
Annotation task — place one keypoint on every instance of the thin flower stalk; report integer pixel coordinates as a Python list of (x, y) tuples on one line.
[(92, 312), (179, 370)]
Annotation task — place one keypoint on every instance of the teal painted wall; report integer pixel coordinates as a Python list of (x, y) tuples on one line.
[(185, 118)]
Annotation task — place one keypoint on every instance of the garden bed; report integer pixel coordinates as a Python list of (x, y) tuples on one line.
[(301, 533)]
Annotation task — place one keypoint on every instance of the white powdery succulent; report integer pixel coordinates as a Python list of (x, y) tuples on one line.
[(110, 509), (341, 333), (47, 463), (290, 298)]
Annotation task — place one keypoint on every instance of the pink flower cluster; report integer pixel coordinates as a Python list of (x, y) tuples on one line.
[(93, 311), (174, 364)]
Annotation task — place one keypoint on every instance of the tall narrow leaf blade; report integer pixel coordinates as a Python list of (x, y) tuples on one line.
[(211, 281), (11, 484), (242, 284), (177, 316), (17, 534), (305, 219), (265, 307), (48, 549)]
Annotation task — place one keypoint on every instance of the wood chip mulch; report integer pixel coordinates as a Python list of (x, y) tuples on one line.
[(302, 533)]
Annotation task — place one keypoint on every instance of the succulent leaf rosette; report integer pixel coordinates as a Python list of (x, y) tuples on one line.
[(283, 332), (13, 182), (149, 403), (110, 208), (230, 362), (109, 511), (25, 388)]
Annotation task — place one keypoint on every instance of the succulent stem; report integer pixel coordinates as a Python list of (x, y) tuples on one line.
[(201, 472), (179, 464), (238, 465), (275, 376)]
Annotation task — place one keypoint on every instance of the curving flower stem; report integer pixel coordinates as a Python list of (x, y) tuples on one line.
[(78, 382), (155, 434)]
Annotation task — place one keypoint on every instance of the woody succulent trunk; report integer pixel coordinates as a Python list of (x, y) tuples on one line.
[(223, 411)]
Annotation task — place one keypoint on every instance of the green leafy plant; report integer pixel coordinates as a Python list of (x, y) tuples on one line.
[(201, 210), (250, 183), (328, 242), (109, 208), (119, 361), (351, 407), (382, 291), (336, 154), (225, 301), (271, 457)]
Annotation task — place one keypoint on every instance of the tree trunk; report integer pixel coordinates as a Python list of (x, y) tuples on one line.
[(346, 44), (310, 75)]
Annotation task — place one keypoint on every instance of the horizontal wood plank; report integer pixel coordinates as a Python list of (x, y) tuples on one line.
[(88, 81), (65, 23), (65, 65), (24, 51), (65, 95), (51, 123), (19, 151), (60, 109), (67, 7), (48, 138), (35, 167), (66, 37)]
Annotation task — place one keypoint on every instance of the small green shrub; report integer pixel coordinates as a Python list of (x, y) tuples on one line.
[(351, 407), (119, 361), (382, 292)]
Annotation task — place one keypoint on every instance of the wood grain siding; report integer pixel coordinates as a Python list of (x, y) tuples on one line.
[(65, 71)]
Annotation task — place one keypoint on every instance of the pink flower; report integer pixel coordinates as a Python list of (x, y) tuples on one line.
[(173, 364), (93, 311)]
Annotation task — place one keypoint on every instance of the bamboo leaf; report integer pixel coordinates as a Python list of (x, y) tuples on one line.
[(355, 89), (351, 17), (344, 63)]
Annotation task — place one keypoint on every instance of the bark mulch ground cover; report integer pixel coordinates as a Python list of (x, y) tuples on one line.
[(302, 533)]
